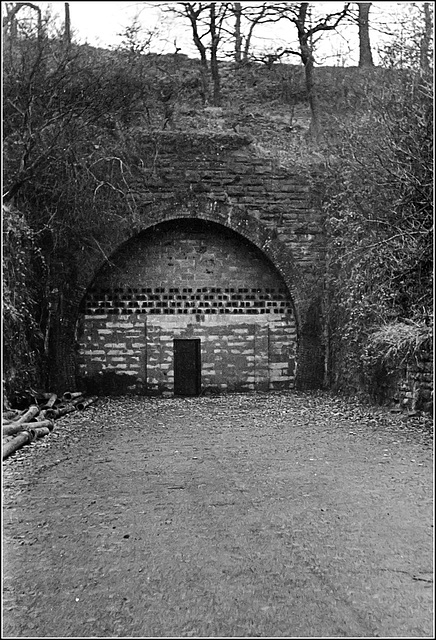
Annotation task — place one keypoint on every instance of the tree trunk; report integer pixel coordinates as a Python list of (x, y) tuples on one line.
[(237, 10), (54, 414), (32, 411), (82, 405), (306, 53), (424, 47), (193, 18), (14, 29), (12, 429), (365, 53), (213, 57), (67, 32), (16, 443), (72, 395), (40, 432), (50, 401), (315, 124)]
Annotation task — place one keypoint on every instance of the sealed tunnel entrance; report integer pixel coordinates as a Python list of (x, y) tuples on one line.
[(172, 286), (187, 367)]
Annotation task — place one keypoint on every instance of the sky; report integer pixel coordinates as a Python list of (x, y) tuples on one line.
[(117, 15), (101, 23)]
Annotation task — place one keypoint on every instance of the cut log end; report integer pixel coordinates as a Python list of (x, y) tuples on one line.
[(68, 395)]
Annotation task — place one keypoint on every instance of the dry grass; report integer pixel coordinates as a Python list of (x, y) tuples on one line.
[(399, 341)]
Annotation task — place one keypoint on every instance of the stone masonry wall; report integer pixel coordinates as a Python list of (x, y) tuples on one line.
[(228, 169), (223, 178), (407, 385), (135, 354), (188, 280), (414, 390)]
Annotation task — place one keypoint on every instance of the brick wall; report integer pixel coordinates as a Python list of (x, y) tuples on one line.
[(188, 280)]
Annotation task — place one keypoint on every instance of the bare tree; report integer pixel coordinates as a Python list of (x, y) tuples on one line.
[(10, 19), (207, 21), (408, 36), (251, 16), (193, 11), (216, 29), (365, 53), (298, 14)]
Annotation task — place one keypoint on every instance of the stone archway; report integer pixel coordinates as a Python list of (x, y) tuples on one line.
[(64, 355), (189, 280), (229, 216)]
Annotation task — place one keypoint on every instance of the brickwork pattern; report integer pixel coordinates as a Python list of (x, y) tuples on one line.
[(242, 356), (226, 169), (138, 353), (113, 346), (188, 281)]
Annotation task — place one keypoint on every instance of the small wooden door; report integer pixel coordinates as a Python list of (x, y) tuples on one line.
[(187, 367)]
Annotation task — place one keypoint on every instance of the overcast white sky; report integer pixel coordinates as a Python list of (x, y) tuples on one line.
[(100, 23), (119, 14)]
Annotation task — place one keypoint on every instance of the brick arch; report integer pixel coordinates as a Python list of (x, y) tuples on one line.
[(233, 218)]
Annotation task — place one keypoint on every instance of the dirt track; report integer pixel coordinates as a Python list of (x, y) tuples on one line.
[(265, 515)]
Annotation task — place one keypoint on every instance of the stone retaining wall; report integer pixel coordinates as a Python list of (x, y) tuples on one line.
[(414, 389)]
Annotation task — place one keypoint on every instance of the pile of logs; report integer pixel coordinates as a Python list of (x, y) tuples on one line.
[(38, 419)]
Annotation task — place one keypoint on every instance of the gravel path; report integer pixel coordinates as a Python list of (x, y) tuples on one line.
[(261, 515)]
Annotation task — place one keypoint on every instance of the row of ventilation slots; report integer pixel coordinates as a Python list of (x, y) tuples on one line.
[(184, 301)]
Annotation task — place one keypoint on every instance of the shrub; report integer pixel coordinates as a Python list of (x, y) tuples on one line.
[(379, 224), (23, 340)]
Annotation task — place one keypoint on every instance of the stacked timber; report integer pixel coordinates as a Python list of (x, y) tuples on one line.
[(23, 427)]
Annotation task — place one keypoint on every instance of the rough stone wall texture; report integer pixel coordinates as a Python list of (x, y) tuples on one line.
[(409, 385), (221, 178), (414, 389), (227, 169)]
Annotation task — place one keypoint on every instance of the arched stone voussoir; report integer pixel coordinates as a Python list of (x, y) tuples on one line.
[(230, 216)]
